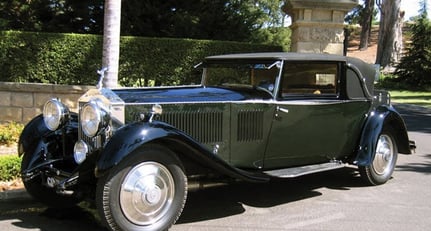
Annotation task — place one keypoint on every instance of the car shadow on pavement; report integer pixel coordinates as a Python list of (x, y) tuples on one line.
[(419, 167), (230, 200), (29, 214), (417, 118)]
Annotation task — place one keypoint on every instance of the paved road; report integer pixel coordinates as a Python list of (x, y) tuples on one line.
[(336, 200)]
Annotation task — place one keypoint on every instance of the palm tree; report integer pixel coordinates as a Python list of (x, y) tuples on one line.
[(111, 42)]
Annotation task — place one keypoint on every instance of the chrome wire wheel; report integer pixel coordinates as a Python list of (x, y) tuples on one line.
[(147, 193), (384, 156)]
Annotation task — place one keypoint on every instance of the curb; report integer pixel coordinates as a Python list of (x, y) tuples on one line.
[(14, 194)]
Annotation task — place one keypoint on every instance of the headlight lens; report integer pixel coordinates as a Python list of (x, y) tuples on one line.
[(93, 118), (55, 114), (80, 151)]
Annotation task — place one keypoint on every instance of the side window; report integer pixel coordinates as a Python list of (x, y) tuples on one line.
[(309, 79)]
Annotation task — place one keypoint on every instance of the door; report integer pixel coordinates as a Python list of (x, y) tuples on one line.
[(311, 123)]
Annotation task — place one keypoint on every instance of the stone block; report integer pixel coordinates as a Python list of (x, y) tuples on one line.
[(9, 114), (22, 99), (5, 98), (321, 15), (29, 113), (333, 48), (308, 47), (71, 100), (41, 98)]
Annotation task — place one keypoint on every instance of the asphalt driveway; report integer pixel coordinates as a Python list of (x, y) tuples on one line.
[(335, 200)]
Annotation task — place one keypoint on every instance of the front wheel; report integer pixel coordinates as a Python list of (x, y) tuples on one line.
[(146, 191), (385, 158)]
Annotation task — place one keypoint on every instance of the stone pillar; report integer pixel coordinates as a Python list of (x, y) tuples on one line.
[(318, 25)]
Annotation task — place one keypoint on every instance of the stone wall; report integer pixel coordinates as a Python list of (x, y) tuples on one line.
[(20, 102)]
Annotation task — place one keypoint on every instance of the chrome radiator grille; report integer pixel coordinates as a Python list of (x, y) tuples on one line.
[(204, 126)]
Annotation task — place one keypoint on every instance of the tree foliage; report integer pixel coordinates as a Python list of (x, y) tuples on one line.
[(415, 66), (52, 15), (232, 20)]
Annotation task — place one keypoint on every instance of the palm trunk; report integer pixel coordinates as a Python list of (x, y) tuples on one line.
[(111, 42)]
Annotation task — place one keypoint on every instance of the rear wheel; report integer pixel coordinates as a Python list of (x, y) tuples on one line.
[(146, 191), (381, 168)]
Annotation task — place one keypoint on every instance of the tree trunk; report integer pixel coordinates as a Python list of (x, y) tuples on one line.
[(111, 42), (366, 22), (390, 36)]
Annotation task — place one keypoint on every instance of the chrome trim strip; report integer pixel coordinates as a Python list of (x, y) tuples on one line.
[(278, 80), (252, 101)]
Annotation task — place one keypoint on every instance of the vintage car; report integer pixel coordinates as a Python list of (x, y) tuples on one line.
[(254, 117)]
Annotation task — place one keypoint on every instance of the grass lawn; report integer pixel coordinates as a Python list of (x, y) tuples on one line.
[(410, 97)]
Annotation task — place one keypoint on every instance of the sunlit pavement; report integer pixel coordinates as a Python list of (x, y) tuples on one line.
[(336, 200)]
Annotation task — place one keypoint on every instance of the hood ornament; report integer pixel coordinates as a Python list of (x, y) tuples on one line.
[(101, 74)]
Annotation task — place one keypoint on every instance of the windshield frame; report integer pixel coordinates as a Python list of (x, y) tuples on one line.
[(259, 64)]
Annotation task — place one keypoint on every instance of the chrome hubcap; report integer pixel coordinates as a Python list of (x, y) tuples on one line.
[(147, 193), (384, 155)]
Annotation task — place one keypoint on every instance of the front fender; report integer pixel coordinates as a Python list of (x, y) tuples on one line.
[(31, 135), (37, 140), (383, 116), (132, 136)]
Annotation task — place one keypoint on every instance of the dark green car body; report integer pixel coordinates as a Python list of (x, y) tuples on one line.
[(253, 117), (257, 131)]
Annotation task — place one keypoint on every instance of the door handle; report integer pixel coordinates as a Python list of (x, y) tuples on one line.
[(280, 109), (285, 110)]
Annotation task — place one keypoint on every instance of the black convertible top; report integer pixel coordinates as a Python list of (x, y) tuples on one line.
[(367, 70), (281, 56)]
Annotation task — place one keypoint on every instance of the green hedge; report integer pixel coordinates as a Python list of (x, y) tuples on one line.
[(74, 58), (10, 166)]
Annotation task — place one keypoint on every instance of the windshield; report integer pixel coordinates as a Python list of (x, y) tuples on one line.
[(243, 74)]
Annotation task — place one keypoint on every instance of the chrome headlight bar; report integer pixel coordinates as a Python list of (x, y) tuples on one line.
[(55, 114)]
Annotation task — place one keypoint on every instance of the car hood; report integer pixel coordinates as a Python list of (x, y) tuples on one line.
[(181, 94)]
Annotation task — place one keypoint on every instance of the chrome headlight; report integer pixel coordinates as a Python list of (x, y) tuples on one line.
[(55, 114), (80, 151), (93, 118)]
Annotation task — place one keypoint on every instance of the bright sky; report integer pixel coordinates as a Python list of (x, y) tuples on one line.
[(411, 7)]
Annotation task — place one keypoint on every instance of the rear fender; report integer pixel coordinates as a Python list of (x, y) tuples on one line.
[(382, 117), (133, 136)]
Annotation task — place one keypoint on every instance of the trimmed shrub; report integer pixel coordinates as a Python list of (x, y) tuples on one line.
[(10, 167), (74, 58), (9, 133)]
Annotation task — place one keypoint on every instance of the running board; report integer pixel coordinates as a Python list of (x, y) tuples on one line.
[(304, 170)]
